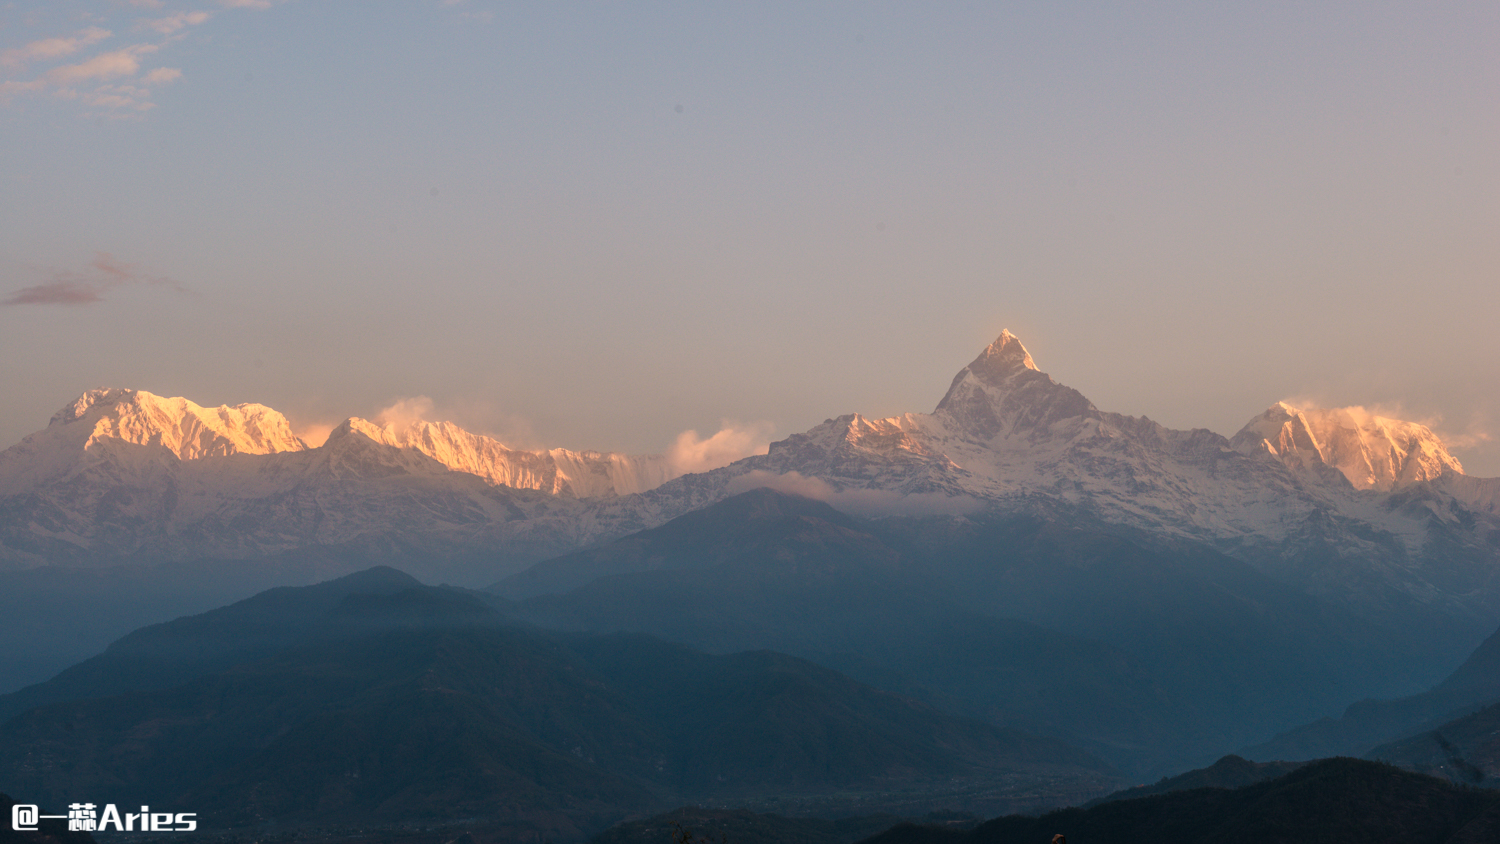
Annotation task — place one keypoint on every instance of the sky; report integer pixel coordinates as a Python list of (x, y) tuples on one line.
[(604, 225)]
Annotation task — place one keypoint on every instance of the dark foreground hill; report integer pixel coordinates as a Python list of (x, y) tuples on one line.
[(744, 827), (1465, 750), (1229, 772), (423, 705), (1333, 801)]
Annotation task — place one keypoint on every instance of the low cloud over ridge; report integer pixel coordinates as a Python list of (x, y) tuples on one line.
[(733, 441), (1457, 436), (870, 503)]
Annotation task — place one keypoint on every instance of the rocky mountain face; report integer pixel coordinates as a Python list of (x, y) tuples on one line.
[(182, 427), (1360, 507), (1008, 438), (102, 425), (1372, 452), (124, 475), (558, 471), (112, 500)]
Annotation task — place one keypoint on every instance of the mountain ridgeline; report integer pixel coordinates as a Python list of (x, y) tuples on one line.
[(1013, 602), (1363, 512), (1342, 502)]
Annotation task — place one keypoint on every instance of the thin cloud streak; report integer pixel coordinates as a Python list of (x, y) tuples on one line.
[(109, 65), (10, 88), (162, 75), (175, 23), (52, 48), (60, 291), (75, 289), (869, 503)]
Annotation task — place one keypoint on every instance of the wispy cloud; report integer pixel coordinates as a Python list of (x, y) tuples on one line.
[(162, 75), (116, 63), (405, 412), (477, 416), (114, 98), (67, 287), (58, 291), (175, 23), (52, 48), (11, 88), (314, 433), (1460, 435), (99, 81)]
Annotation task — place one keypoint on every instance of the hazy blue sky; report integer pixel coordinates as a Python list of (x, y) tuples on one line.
[(598, 225)]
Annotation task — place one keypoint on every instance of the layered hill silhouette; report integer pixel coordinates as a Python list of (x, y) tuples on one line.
[(382, 701), (1465, 750), (1155, 654), (1472, 686), (1229, 772), (1017, 557), (173, 652)]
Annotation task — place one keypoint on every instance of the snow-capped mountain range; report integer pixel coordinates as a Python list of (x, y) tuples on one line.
[(1372, 452), (1005, 432), (128, 475), (1333, 499), (191, 432), (579, 474)]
